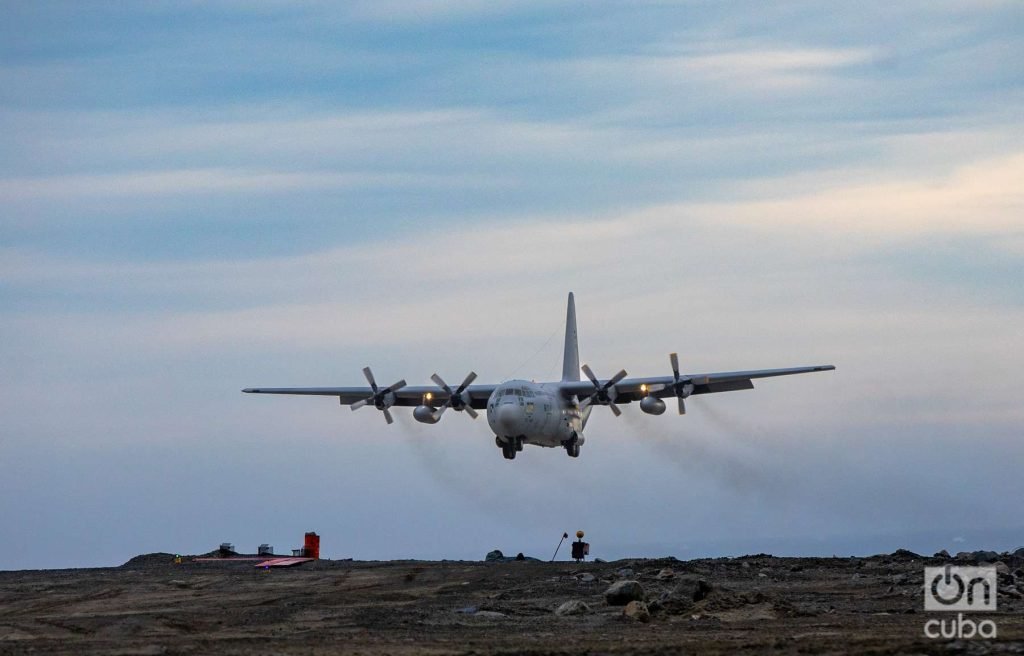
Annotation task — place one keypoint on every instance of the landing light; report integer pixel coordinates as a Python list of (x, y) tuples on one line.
[(429, 396), (643, 388)]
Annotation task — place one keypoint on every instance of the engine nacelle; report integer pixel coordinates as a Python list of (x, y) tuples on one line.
[(425, 414), (652, 405)]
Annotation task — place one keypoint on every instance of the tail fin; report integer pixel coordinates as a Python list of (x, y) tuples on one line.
[(571, 359)]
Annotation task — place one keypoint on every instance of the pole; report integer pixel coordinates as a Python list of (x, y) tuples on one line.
[(564, 536)]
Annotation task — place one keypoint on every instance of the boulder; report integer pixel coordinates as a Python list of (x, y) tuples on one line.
[(637, 611), (904, 554), (621, 593), (624, 573), (1019, 553), (694, 589), (666, 574), (988, 556), (1002, 568), (494, 555), (586, 577), (942, 554), (573, 607)]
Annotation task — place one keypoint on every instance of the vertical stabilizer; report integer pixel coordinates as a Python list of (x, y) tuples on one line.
[(571, 358)]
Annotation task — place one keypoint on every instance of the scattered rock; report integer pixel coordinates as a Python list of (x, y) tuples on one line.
[(489, 615), (1002, 568), (989, 556), (178, 583), (942, 554), (573, 607), (494, 555), (468, 610), (745, 565), (638, 611), (900, 579), (621, 593), (586, 577), (762, 575), (857, 576), (905, 554), (666, 574), (625, 572), (600, 560), (796, 568)]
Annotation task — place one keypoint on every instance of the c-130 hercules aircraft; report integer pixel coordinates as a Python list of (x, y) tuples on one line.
[(554, 414)]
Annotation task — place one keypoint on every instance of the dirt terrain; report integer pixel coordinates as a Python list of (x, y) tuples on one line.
[(749, 605)]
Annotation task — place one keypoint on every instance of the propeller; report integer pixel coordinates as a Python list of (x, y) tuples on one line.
[(456, 400), (382, 398), (603, 394), (681, 387)]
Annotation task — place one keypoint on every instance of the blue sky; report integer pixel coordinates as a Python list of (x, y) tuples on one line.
[(200, 197)]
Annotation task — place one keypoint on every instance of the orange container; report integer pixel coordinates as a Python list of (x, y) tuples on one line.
[(311, 547)]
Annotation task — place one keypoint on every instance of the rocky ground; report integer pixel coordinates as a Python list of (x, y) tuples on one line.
[(750, 604)]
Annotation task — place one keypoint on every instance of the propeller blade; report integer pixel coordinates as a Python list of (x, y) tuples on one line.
[(359, 404), (615, 409), (586, 402), (440, 383), (397, 386), (682, 406), (471, 412), (469, 379), (674, 357), (657, 387), (369, 378), (591, 376), (616, 378), (387, 416)]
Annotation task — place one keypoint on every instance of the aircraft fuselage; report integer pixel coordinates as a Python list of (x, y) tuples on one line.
[(522, 412)]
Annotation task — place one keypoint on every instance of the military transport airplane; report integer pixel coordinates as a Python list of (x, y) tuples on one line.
[(554, 414)]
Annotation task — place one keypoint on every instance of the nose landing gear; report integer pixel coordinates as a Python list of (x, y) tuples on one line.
[(509, 446)]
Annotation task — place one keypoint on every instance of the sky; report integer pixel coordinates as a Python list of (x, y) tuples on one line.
[(200, 197)]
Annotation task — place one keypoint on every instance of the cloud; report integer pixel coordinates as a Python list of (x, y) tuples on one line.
[(212, 181)]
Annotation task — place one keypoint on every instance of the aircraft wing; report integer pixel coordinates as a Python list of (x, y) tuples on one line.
[(406, 396), (634, 389)]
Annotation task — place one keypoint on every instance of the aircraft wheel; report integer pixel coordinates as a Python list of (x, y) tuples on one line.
[(573, 449), (519, 444), (509, 452)]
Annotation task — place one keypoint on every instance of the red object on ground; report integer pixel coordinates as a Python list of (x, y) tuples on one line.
[(311, 549), (283, 562)]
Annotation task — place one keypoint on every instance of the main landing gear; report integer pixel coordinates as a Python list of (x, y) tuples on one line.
[(509, 447), (572, 446)]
